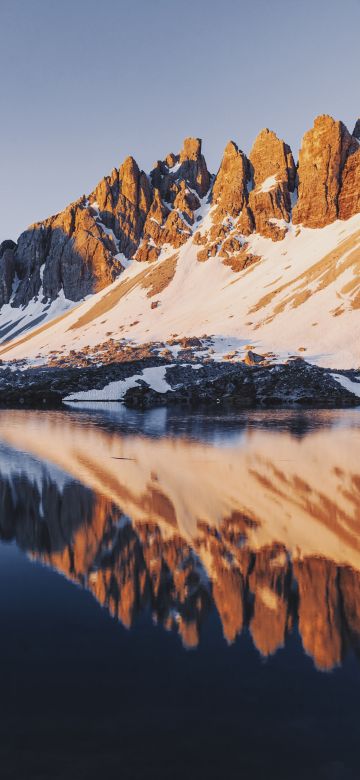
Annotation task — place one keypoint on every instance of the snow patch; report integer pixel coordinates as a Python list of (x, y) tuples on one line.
[(348, 384), (115, 391), (268, 184)]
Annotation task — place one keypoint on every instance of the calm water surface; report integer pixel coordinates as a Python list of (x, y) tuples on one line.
[(179, 596)]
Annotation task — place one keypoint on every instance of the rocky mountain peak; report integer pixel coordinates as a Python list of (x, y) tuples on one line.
[(129, 175), (178, 182), (274, 177), (230, 186), (193, 168), (322, 160), (6, 245), (356, 132), (191, 149), (130, 214), (7, 269), (270, 156), (171, 160)]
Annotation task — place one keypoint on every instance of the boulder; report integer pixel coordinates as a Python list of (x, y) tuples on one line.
[(252, 358)]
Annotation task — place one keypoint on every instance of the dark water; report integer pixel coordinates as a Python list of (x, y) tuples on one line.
[(179, 597)]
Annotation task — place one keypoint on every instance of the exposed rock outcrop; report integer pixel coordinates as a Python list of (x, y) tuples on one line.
[(193, 167), (178, 183), (231, 216), (189, 166), (323, 158), (349, 196), (128, 214), (77, 250), (131, 214), (356, 132), (274, 176), (7, 270), (69, 252), (230, 187), (123, 201)]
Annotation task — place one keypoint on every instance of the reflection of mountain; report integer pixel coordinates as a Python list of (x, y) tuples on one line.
[(267, 532)]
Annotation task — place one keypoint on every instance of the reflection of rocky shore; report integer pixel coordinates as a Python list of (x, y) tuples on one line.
[(129, 567)]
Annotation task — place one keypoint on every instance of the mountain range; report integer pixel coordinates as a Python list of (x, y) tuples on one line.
[(262, 258)]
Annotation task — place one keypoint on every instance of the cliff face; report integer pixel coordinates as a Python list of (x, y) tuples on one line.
[(7, 270), (274, 176), (134, 215), (328, 174), (68, 252)]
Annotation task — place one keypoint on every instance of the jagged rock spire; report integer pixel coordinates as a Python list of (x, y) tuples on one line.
[(193, 168), (230, 186), (324, 184), (274, 175)]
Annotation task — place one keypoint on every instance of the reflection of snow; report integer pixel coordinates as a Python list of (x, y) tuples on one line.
[(15, 464)]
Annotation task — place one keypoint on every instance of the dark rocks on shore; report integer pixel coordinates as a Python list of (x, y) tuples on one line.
[(211, 384), (242, 386)]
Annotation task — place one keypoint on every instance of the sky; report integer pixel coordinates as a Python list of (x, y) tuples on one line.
[(84, 83)]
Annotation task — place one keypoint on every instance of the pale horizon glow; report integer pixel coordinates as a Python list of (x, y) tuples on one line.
[(85, 84)]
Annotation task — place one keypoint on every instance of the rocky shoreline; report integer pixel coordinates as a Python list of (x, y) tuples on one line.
[(191, 385)]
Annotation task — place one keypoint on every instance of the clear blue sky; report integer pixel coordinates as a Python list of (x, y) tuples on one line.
[(83, 83)]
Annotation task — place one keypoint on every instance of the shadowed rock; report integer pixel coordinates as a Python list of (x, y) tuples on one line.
[(7, 270)]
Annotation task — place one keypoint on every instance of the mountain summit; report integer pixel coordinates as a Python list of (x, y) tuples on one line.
[(265, 254)]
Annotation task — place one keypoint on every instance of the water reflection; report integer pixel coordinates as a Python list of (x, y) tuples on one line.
[(256, 517)]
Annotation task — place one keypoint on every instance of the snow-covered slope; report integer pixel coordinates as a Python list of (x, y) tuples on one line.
[(300, 298), (16, 322)]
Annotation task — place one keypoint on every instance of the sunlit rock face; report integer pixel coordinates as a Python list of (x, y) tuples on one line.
[(265, 531), (274, 175), (134, 214), (261, 258), (349, 197), (328, 174), (129, 214)]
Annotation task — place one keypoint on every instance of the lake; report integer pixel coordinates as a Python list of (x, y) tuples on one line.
[(179, 595)]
